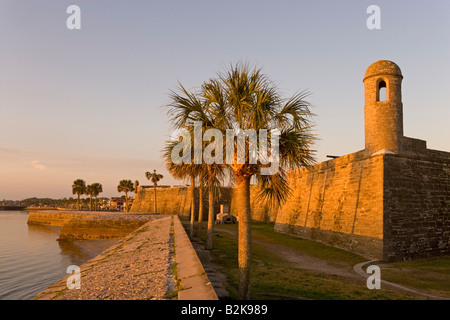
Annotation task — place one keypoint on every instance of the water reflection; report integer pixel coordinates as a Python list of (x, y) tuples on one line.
[(31, 257)]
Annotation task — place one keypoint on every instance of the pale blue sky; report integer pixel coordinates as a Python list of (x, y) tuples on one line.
[(88, 103)]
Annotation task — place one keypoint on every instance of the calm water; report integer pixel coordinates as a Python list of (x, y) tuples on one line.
[(30, 257)]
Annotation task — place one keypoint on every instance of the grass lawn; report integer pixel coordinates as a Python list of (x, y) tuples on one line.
[(432, 275), (274, 277)]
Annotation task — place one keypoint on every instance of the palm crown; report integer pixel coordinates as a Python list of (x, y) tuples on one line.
[(125, 186), (154, 177), (79, 188)]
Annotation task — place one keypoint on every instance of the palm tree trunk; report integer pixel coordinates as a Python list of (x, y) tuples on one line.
[(193, 206), (154, 189), (200, 208), (126, 201), (209, 234), (245, 239), (78, 202), (96, 203), (90, 203)]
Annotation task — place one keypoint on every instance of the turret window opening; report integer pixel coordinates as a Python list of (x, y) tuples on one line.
[(382, 91)]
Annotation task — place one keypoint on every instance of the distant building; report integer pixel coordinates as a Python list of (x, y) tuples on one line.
[(116, 203)]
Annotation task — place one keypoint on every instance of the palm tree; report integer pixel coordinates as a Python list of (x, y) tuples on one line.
[(183, 171), (244, 98), (125, 186), (97, 188), (215, 175), (154, 177), (90, 192), (200, 203), (136, 185), (209, 174), (79, 188)]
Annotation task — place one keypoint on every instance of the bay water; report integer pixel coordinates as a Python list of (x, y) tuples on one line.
[(31, 258)]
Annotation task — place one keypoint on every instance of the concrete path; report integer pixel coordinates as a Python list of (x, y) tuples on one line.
[(359, 269)]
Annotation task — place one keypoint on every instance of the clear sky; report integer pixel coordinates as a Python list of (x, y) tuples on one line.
[(89, 103)]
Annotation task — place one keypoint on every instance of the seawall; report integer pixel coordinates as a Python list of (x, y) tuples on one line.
[(155, 261), (90, 225)]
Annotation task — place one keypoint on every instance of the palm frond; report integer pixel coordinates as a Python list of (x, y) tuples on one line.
[(274, 189)]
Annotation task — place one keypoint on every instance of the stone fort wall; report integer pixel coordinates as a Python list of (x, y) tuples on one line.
[(177, 201), (339, 203), (385, 206), (416, 205), (381, 206)]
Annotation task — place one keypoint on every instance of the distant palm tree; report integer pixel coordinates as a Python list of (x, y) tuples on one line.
[(90, 192), (154, 177), (79, 188), (97, 188), (243, 98), (125, 186)]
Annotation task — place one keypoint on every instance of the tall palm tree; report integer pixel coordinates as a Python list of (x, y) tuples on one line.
[(97, 188), (79, 188), (155, 178), (125, 186), (244, 98), (90, 192)]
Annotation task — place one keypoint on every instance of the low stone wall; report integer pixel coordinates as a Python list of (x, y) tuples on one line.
[(90, 225), (55, 218), (99, 229), (195, 284)]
